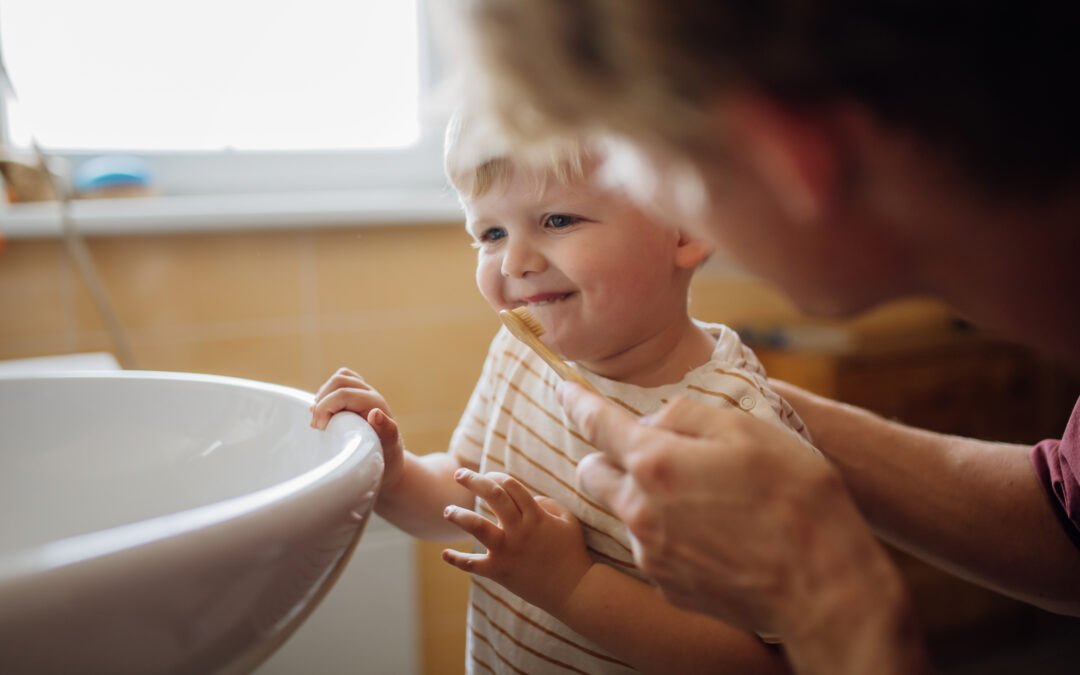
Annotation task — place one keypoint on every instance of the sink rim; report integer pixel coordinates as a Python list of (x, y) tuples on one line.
[(18, 566)]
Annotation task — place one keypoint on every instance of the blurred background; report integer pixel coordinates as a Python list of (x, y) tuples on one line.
[(259, 188)]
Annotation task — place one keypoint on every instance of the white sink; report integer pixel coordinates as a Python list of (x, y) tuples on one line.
[(169, 523)]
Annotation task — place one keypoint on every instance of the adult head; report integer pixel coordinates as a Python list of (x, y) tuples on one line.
[(849, 151)]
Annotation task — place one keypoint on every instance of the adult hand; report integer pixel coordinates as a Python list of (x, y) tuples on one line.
[(735, 518)]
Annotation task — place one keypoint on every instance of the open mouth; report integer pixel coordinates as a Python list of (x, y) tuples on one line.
[(546, 299)]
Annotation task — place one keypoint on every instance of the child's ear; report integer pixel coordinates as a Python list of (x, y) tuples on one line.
[(691, 251)]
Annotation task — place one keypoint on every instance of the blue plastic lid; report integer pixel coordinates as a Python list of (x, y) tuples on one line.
[(110, 171)]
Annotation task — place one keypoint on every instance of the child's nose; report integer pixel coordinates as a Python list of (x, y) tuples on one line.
[(521, 258)]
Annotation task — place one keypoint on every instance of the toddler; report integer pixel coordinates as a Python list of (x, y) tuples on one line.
[(555, 587)]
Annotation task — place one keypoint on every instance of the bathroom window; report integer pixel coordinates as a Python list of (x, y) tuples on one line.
[(231, 96)]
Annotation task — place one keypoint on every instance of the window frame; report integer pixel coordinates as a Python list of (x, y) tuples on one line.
[(198, 188)]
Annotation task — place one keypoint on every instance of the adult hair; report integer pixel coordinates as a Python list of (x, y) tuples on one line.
[(988, 84)]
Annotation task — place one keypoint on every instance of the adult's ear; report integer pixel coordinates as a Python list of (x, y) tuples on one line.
[(795, 152), (691, 251)]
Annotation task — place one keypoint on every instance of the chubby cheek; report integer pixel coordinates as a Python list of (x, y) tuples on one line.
[(642, 277), (619, 292), (632, 295), (489, 281)]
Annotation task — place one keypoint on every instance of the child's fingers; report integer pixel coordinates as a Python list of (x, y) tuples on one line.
[(385, 427), (341, 379), (473, 563), (328, 405), (504, 507), (555, 508), (359, 401), (475, 525), (333, 382), (518, 493)]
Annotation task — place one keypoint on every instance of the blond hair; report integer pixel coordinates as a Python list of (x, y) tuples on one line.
[(477, 157)]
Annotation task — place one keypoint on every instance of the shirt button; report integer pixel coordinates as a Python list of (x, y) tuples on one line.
[(747, 402)]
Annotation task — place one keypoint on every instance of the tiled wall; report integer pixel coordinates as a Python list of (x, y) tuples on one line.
[(396, 303)]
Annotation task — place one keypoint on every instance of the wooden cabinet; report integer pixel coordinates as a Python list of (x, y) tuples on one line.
[(963, 384), (957, 384)]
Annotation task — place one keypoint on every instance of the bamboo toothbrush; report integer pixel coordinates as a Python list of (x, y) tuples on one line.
[(526, 328)]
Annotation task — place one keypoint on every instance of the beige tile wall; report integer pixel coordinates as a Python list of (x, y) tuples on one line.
[(396, 303)]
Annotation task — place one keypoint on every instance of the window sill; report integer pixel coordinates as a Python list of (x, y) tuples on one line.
[(208, 213)]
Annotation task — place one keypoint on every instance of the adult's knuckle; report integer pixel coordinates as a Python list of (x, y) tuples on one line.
[(679, 404), (653, 469), (663, 416), (588, 420), (655, 568), (643, 523)]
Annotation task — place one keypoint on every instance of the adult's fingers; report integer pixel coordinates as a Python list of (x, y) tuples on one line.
[(688, 417), (610, 428), (601, 478)]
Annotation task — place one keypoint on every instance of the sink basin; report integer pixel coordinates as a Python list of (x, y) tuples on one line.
[(167, 522)]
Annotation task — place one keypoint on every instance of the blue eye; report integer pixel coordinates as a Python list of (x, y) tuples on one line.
[(560, 220), (492, 234)]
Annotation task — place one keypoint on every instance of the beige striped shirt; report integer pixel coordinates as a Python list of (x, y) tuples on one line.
[(514, 424)]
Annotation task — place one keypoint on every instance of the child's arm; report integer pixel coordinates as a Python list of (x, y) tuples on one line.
[(537, 551), (415, 489)]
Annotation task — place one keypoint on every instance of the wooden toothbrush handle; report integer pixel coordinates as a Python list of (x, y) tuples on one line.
[(559, 366)]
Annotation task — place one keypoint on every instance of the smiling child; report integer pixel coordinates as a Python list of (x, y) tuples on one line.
[(555, 586)]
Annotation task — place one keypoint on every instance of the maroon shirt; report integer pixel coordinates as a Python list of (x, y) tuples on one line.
[(1057, 464)]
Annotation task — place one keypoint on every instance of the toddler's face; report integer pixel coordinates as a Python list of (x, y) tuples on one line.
[(597, 273)]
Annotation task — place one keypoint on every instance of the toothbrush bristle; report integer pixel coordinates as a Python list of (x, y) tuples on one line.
[(529, 320)]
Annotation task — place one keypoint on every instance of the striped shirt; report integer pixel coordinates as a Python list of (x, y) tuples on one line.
[(514, 424)]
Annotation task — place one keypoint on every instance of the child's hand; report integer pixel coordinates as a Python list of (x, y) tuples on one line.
[(345, 390), (536, 551)]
